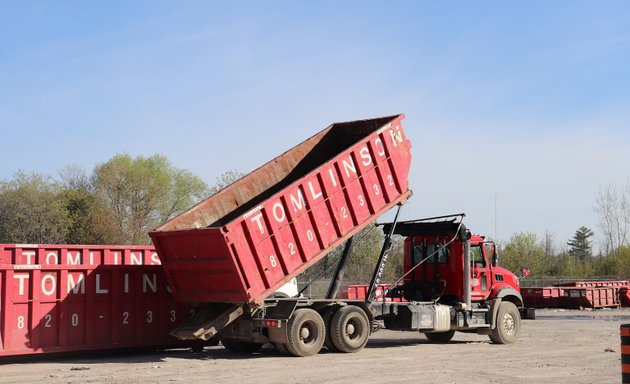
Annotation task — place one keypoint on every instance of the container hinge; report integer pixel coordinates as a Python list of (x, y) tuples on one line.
[(207, 322)]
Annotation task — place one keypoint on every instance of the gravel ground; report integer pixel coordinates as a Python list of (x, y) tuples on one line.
[(559, 347)]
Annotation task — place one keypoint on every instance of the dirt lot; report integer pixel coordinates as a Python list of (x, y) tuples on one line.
[(559, 347)]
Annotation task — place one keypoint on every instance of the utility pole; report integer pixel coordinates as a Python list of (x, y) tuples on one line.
[(495, 218)]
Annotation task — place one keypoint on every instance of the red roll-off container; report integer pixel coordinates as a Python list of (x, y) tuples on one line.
[(242, 243), (70, 298), (359, 292)]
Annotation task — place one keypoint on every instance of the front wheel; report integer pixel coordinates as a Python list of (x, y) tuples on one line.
[(508, 324)]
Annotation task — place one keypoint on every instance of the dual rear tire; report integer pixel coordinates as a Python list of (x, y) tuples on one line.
[(306, 332), (349, 329), (341, 329), (346, 329)]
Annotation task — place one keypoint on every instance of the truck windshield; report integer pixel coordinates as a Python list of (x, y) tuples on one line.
[(432, 252)]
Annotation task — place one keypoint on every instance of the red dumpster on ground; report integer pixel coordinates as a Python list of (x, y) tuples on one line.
[(603, 283), (592, 297), (543, 297), (69, 298), (624, 296)]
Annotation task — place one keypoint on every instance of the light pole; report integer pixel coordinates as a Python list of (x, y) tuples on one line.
[(495, 218)]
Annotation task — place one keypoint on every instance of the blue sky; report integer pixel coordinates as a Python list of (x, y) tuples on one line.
[(525, 101)]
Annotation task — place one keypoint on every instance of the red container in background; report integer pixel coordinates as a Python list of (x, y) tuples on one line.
[(242, 243), (592, 297), (58, 298), (624, 296), (77, 255), (543, 297), (603, 283), (359, 292)]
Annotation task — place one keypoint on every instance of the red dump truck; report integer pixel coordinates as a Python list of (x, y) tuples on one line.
[(230, 252)]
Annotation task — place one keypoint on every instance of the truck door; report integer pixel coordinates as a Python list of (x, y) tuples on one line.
[(481, 273)]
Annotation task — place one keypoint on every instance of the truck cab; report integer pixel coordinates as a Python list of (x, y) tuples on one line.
[(452, 282), (434, 268)]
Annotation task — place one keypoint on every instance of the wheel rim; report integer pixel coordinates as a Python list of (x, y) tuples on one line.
[(305, 332), (350, 330), (508, 324), (308, 333), (353, 329)]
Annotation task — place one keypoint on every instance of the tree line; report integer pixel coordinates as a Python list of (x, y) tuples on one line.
[(526, 250), (118, 202), (121, 200), (578, 258)]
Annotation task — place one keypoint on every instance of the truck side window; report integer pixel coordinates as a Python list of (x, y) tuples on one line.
[(476, 256), (434, 251), (490, 253)]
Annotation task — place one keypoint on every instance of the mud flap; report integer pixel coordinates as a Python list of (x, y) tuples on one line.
[(494, 310), (527, 313)]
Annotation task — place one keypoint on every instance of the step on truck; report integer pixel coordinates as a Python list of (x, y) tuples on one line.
[(229, 253)]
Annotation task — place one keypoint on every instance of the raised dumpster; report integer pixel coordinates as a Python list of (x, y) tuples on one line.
[(245, 241)]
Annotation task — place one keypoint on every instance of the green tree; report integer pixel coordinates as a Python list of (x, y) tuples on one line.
[(580, 246), (616, 264), (90, 221), (523, 250), (144, 192), (365, 252), (567, 265), (31, 210), (363, 258), (623, 262)]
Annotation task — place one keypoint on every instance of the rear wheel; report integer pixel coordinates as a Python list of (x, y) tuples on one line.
[(350, 329), (327, 316), (440, 337), (508, 324), (239, 346), (306, 333)]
